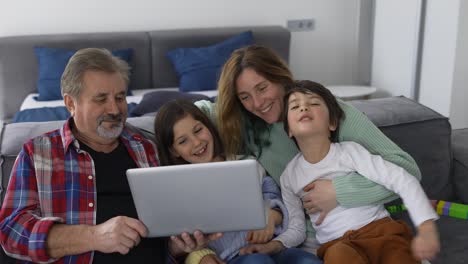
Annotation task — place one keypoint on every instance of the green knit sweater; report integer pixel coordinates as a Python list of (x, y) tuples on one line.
[(351, 190)]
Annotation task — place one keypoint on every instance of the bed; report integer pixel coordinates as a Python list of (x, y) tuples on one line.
[(162, 64)]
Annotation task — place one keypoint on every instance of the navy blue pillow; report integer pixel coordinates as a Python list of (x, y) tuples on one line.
[(152, 101), (52, 63), (199, 68)]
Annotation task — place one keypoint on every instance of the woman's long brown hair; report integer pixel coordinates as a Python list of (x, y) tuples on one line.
[(231, 114)]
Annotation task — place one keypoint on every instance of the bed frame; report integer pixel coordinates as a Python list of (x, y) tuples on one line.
[(150, 66)]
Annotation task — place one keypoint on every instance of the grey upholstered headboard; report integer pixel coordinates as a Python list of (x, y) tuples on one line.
[(162, 41), (19, 66), (150, 66)]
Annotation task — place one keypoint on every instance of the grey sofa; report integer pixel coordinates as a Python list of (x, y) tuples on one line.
[(425, 134)]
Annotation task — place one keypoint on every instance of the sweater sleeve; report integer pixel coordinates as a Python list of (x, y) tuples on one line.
[(394, 178), (272, 194), (209, 108), (354, 190)]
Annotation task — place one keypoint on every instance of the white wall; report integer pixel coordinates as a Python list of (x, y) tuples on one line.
[(395, 46), (444, 74), (327, 54), (459, 107), (438, 58)]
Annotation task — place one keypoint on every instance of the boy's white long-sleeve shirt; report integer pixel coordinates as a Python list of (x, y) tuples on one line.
[(342, 159)]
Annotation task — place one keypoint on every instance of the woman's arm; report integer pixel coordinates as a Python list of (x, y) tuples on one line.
[(355, 190)]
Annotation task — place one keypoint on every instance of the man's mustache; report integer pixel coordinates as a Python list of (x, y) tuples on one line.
[(110, 118)]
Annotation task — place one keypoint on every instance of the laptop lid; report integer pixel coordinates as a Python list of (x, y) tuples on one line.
[(210, 197)]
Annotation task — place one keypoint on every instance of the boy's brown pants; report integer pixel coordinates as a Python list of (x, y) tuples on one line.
[(384, 241)]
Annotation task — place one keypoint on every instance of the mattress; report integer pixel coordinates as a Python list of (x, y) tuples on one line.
[(30, 101)]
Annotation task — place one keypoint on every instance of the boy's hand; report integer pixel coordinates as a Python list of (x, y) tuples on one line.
[(426, 244), (269, 248), (265, 235)]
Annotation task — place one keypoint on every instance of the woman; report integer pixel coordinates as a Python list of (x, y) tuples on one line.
[(248, 115)]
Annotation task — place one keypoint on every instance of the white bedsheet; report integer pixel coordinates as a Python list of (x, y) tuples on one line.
[(29, 102)]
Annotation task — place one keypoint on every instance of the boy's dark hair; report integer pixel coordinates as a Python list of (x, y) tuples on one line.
[(308, 87), (167, 117)]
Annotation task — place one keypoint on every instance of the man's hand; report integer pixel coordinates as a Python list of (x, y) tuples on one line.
[(265, 235), (185, 243), (211, 259), (270, 248), (118, 234), (320, 197)]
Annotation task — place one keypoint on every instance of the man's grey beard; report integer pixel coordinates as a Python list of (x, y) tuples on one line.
[(114, 131), (111, 133)]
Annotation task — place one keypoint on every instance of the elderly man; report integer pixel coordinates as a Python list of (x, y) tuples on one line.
[(68, 199)]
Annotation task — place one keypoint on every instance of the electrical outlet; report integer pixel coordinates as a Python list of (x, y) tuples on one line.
[(301, 25)]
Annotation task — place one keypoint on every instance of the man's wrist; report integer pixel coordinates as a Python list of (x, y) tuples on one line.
[(63, 240), (90, 232)]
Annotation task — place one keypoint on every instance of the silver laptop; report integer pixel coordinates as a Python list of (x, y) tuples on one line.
[(211, 197)]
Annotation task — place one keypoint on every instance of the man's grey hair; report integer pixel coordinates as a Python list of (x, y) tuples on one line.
[(91, 59)]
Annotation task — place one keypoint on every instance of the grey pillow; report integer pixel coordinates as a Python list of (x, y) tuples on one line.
[(152, 101)]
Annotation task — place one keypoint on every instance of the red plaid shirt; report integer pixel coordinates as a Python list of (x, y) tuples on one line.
[(53, 181)]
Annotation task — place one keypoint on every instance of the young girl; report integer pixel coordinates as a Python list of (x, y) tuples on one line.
[(363, 234), (185, 135)]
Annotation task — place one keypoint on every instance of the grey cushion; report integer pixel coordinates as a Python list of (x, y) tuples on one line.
[(14, 135), (420, 131), (18, 63), (12, 138), (460, 158), (162, 41), (453, 234)]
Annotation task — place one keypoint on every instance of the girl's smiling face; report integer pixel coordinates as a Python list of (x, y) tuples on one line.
[(193, 141)]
